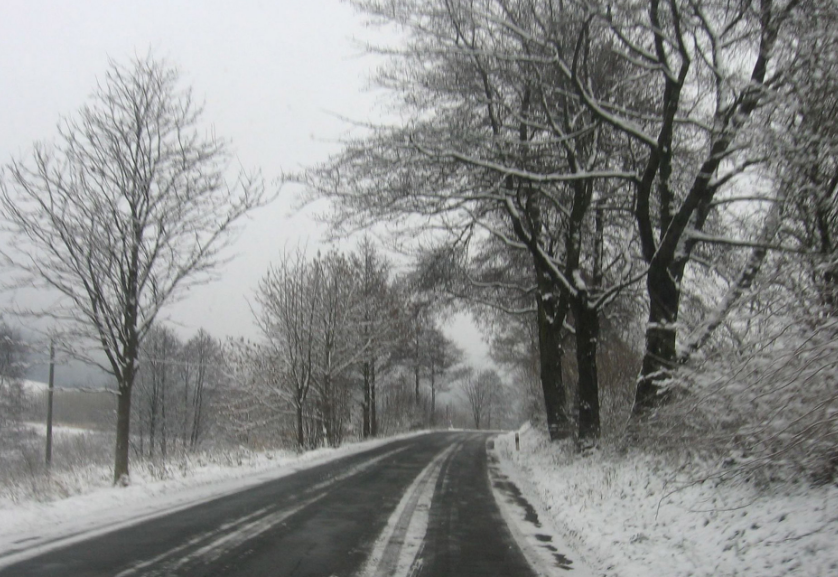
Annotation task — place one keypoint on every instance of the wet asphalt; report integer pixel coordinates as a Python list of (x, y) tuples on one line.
[(320, 522)]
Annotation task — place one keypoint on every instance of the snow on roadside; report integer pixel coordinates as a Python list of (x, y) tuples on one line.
[(103, 507), (626, 519)]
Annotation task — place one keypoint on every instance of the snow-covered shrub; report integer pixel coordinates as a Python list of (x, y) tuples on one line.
[(79, 461), (768, 412)]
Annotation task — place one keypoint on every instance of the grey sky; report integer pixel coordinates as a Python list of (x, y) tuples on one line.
[(275, 77)]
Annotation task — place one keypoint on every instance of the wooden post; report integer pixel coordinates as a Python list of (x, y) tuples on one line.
[(517, 442), (49, 401)]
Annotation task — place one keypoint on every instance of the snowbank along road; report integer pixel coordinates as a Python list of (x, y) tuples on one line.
[(431, 505)]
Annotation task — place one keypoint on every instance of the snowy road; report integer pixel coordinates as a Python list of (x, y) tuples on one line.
[(426, 506)]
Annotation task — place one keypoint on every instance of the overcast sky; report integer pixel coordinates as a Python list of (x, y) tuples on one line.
[(275, 75)]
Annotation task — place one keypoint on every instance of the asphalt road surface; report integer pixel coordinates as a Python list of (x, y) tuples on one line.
[(422, 507)]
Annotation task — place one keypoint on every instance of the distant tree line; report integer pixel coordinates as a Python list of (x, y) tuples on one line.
[(347, 348)]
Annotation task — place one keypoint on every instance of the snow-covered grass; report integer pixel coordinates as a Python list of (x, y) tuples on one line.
[(95, 505), (638, 514)]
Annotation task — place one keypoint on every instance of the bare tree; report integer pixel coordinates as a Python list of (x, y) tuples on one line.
[(202, 360), (443, 354), (379, 315), (131, 205), (155, 385), (339, 340), (482, 394), (288, 297)]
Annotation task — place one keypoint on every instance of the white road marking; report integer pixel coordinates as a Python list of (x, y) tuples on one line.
[(212, 551), (191, 543), (396, 551)]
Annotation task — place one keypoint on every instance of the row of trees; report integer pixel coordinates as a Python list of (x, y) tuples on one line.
[(339, 332), (178, 385), (585, 164), (203, 394)]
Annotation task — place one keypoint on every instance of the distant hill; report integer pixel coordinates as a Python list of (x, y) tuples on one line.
[(69, 374), (85, 409)]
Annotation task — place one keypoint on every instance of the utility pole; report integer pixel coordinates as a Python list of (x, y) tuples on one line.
[(49, 401)]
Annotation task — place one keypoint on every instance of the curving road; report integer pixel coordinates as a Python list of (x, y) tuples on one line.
[(422, 507)]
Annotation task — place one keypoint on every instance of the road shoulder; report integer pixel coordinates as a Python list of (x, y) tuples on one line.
[(531, 522)]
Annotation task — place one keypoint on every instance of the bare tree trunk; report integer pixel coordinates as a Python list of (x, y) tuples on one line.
[(300, 433), (197, 415), (152, 426), (163, 413), (433, 393), (373, 412), (416, 383), (668, 260), (550, 317), (367, 427), (184, 427), (123, 427), (661, 330), (587, 337)]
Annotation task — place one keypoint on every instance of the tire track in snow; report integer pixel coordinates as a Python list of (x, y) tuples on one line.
[(396, 551)]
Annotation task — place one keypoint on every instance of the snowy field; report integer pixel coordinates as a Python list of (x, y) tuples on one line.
[(633, 516), (100, 508), (40, 429)]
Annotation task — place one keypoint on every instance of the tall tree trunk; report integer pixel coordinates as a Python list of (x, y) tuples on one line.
[(550, 317), (661, 330), (123, 429), (668, 260), (163, 413), (197, 416), (416, 363), (152, 427), (366, 403), (416, 383), (198, 406), (587, 340), (142, 436), (184, 426), (300, 433), (373, 412), (433, 394)]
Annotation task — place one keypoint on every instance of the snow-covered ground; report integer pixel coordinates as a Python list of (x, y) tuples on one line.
[(627, 516), (101, 507), (41, 430), (34, 387)]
